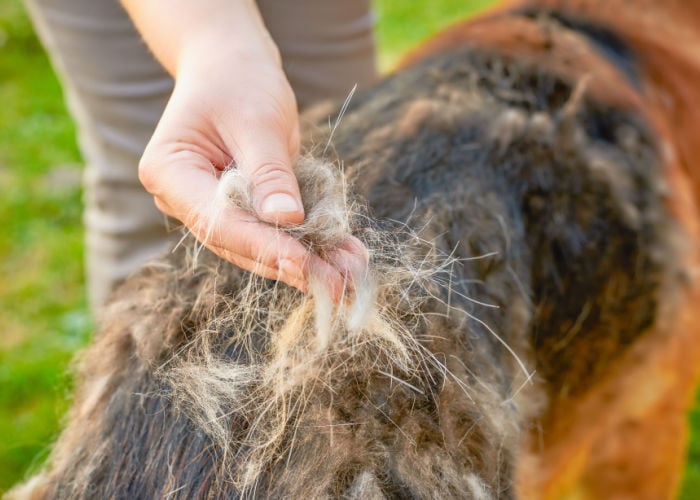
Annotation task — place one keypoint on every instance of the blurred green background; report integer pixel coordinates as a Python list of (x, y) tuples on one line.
[(42, 298)]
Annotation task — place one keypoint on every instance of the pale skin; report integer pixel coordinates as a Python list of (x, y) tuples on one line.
[(232, 104)]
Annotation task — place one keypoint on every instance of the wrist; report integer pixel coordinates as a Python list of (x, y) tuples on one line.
[(183, 33)]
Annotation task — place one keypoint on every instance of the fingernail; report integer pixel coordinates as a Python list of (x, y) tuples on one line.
[(279, 202)]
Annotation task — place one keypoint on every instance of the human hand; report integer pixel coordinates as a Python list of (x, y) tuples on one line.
[(246, 115), (231, 106)]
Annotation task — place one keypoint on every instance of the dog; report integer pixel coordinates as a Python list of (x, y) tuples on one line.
[(526, 187)]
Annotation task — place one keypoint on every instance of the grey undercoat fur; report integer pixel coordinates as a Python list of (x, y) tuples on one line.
[(498, 203)]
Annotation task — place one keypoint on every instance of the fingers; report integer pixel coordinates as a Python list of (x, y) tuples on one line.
[(206, 126), (186, 189), (351, 259), (185, 186)]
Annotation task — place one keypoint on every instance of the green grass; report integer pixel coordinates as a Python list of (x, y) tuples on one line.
[(691, 480), (42, 306), (42, 300), (402, 23)]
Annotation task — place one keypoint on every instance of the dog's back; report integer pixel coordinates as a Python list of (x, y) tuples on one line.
[(527, 319)]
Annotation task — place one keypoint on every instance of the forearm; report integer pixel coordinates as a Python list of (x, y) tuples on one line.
[(179, 31)]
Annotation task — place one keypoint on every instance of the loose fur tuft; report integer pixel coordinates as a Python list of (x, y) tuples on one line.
[(328, 214), (310, 342)]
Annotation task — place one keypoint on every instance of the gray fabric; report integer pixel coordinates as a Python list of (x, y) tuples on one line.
[(116, 92)]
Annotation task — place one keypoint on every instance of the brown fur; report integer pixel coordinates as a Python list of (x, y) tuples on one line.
[(530, 204)]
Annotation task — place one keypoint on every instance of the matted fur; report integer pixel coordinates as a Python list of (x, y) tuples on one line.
[(521, 244)]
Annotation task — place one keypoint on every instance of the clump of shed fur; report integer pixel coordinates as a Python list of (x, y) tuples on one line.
[(329, 213), (310, 341)]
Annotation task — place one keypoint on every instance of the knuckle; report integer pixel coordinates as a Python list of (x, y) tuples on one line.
[(147, 173), (272, 171)]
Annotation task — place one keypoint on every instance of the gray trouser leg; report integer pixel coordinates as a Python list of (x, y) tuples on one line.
[(327, 45), (116, 92)]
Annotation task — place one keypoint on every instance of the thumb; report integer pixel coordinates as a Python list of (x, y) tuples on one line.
[(265, 156)]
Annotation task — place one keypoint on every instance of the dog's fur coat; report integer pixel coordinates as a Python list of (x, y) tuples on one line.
[(531, 223)]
